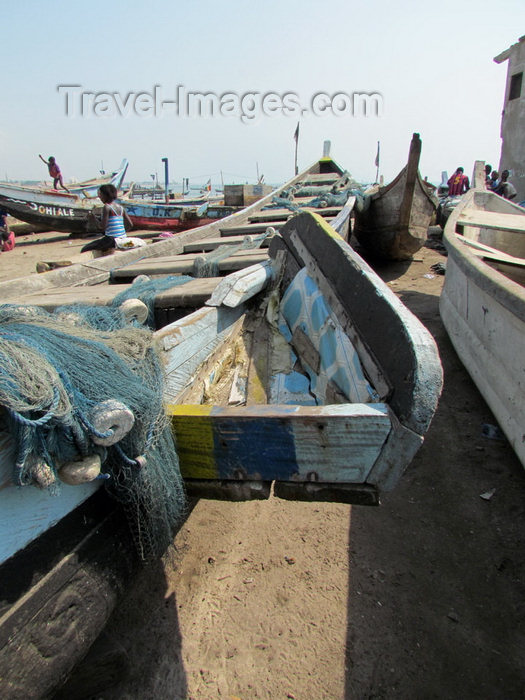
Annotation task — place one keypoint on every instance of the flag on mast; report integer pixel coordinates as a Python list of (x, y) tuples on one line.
[(376, 162), (296, 139)]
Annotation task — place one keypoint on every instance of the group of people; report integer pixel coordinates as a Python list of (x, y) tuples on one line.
[(458, 184), (499, 185)]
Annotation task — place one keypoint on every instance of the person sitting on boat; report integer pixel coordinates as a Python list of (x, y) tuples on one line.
[(114, 220), (506, 189), (7, 237), (54, 171), (458, 183), (488, 169)]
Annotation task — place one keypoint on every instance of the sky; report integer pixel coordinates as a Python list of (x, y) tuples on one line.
[(430, 66)]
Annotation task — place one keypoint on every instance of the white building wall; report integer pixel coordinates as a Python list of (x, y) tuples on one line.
[(513, 120)]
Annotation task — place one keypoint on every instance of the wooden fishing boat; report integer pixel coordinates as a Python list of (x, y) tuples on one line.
[(89, 188), (299, 389), (85, 188), (64, 560), (394, 219), (483, 303), (51, 210), (174, 216)]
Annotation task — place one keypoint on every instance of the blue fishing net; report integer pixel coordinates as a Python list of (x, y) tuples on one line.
[(58, 371), (147, 289)]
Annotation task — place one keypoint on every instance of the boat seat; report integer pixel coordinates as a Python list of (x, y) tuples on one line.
[(491, 219), (486, 251)]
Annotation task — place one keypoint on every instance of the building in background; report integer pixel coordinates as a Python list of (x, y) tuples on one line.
[(513, 117)]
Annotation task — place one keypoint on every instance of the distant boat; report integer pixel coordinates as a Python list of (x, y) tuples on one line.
[(482, 303), (394, 220), (51, 210), (176, 217), (89, 188), (85, 188)]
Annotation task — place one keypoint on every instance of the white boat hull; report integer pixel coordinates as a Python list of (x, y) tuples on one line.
[(483, 309)]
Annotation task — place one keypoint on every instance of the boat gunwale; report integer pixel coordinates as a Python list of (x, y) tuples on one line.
[(504, 290)]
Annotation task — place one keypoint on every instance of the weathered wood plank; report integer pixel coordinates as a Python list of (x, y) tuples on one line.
[(191, 295), (242, 285), (321, 178), (188, 342), (283, 214), (248, 229), (184, 264), (208, 244), (486, 251), (489, 219), (335, 444)]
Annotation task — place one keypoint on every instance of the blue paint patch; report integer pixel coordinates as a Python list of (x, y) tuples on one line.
[(259, 449), (292, 306), (319, 313), (328, 349), (291, 389)]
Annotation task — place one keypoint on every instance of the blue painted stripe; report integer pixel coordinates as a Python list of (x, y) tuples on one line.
[(262, 444)]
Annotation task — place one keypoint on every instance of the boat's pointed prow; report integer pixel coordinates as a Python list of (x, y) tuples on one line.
[(478, 175), (394, 225)]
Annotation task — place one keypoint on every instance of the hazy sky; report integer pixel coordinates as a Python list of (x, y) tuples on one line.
[(431, 63)]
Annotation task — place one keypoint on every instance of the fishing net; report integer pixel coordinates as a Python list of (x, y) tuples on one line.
[(208, 265), (146, 290), (62, 375)]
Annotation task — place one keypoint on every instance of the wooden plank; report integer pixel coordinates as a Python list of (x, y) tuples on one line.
[(485, 251), (490, 219), (335, 444), (97, 295), (189, 342), (192, 294), (258, 370), (210, 244), (321, 178), (241, 286), (248, 230), (284, 214), (184, 264)]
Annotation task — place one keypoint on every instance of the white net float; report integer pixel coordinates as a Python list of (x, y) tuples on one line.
[(134, 310), (111, 415), (141, 461), (81, 471)]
